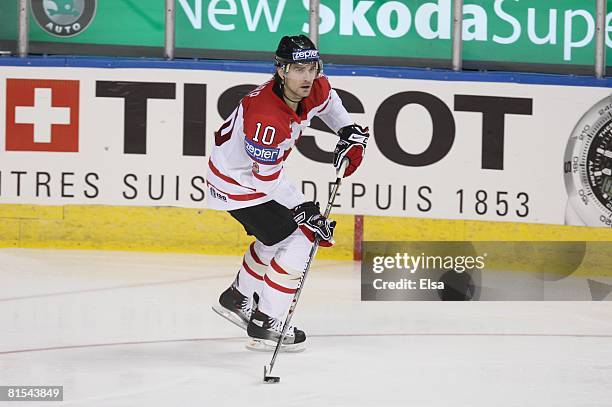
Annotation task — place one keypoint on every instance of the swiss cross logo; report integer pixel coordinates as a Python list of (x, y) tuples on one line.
[(42, 115)]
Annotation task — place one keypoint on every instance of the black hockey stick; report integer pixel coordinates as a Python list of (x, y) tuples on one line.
[(313, 252)]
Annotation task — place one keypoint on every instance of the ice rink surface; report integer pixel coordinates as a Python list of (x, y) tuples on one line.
[(133, 329)]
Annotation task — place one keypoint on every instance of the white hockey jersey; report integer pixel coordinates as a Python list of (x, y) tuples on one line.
[(245, 167)]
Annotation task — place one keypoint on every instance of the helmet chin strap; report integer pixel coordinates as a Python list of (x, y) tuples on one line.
[(289, 99)]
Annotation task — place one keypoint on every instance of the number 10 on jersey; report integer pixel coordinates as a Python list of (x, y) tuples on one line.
[(268, 135)]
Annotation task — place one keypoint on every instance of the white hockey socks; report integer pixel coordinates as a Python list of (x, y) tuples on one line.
[(280, 285), (251, 274)]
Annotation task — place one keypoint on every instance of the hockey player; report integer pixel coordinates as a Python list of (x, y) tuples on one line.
[(246, 178)]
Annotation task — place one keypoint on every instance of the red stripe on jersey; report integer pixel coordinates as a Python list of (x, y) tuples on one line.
[(323, 108), (279, 287), (270, 177), (287, 152), (255, 256), (228, 123), (242, 197), (250, 271), (221, 136), (277, 268), (224, 177)]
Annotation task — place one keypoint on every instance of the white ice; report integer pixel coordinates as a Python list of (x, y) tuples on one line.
[(133, 329)]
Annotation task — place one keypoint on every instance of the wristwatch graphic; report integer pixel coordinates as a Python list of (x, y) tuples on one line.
[(587, 166)]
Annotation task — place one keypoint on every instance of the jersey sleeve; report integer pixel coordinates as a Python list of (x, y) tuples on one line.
[(263, 144), (332, 112)]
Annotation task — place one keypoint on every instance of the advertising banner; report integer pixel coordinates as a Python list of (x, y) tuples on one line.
[(8, 26), (439, 149), (506, 33), (106, 24)]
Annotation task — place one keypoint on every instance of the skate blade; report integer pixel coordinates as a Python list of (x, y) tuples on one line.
[(230, 316), (263, 345)]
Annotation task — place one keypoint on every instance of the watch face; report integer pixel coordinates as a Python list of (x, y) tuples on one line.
[(599, 166), (588, 166)]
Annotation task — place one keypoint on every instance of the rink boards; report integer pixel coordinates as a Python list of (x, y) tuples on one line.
[(454, 156), (204, 231)]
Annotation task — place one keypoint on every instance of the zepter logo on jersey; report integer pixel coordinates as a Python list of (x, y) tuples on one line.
[(64, 18), (588, 168), (264, 155)]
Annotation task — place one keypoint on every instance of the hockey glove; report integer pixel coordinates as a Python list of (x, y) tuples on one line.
[(352, 144), (308, 216)]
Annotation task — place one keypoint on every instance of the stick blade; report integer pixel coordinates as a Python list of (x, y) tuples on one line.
[(267, 378)]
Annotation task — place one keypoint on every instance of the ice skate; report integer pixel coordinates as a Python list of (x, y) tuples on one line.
[(234, 307), (265, 331)]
